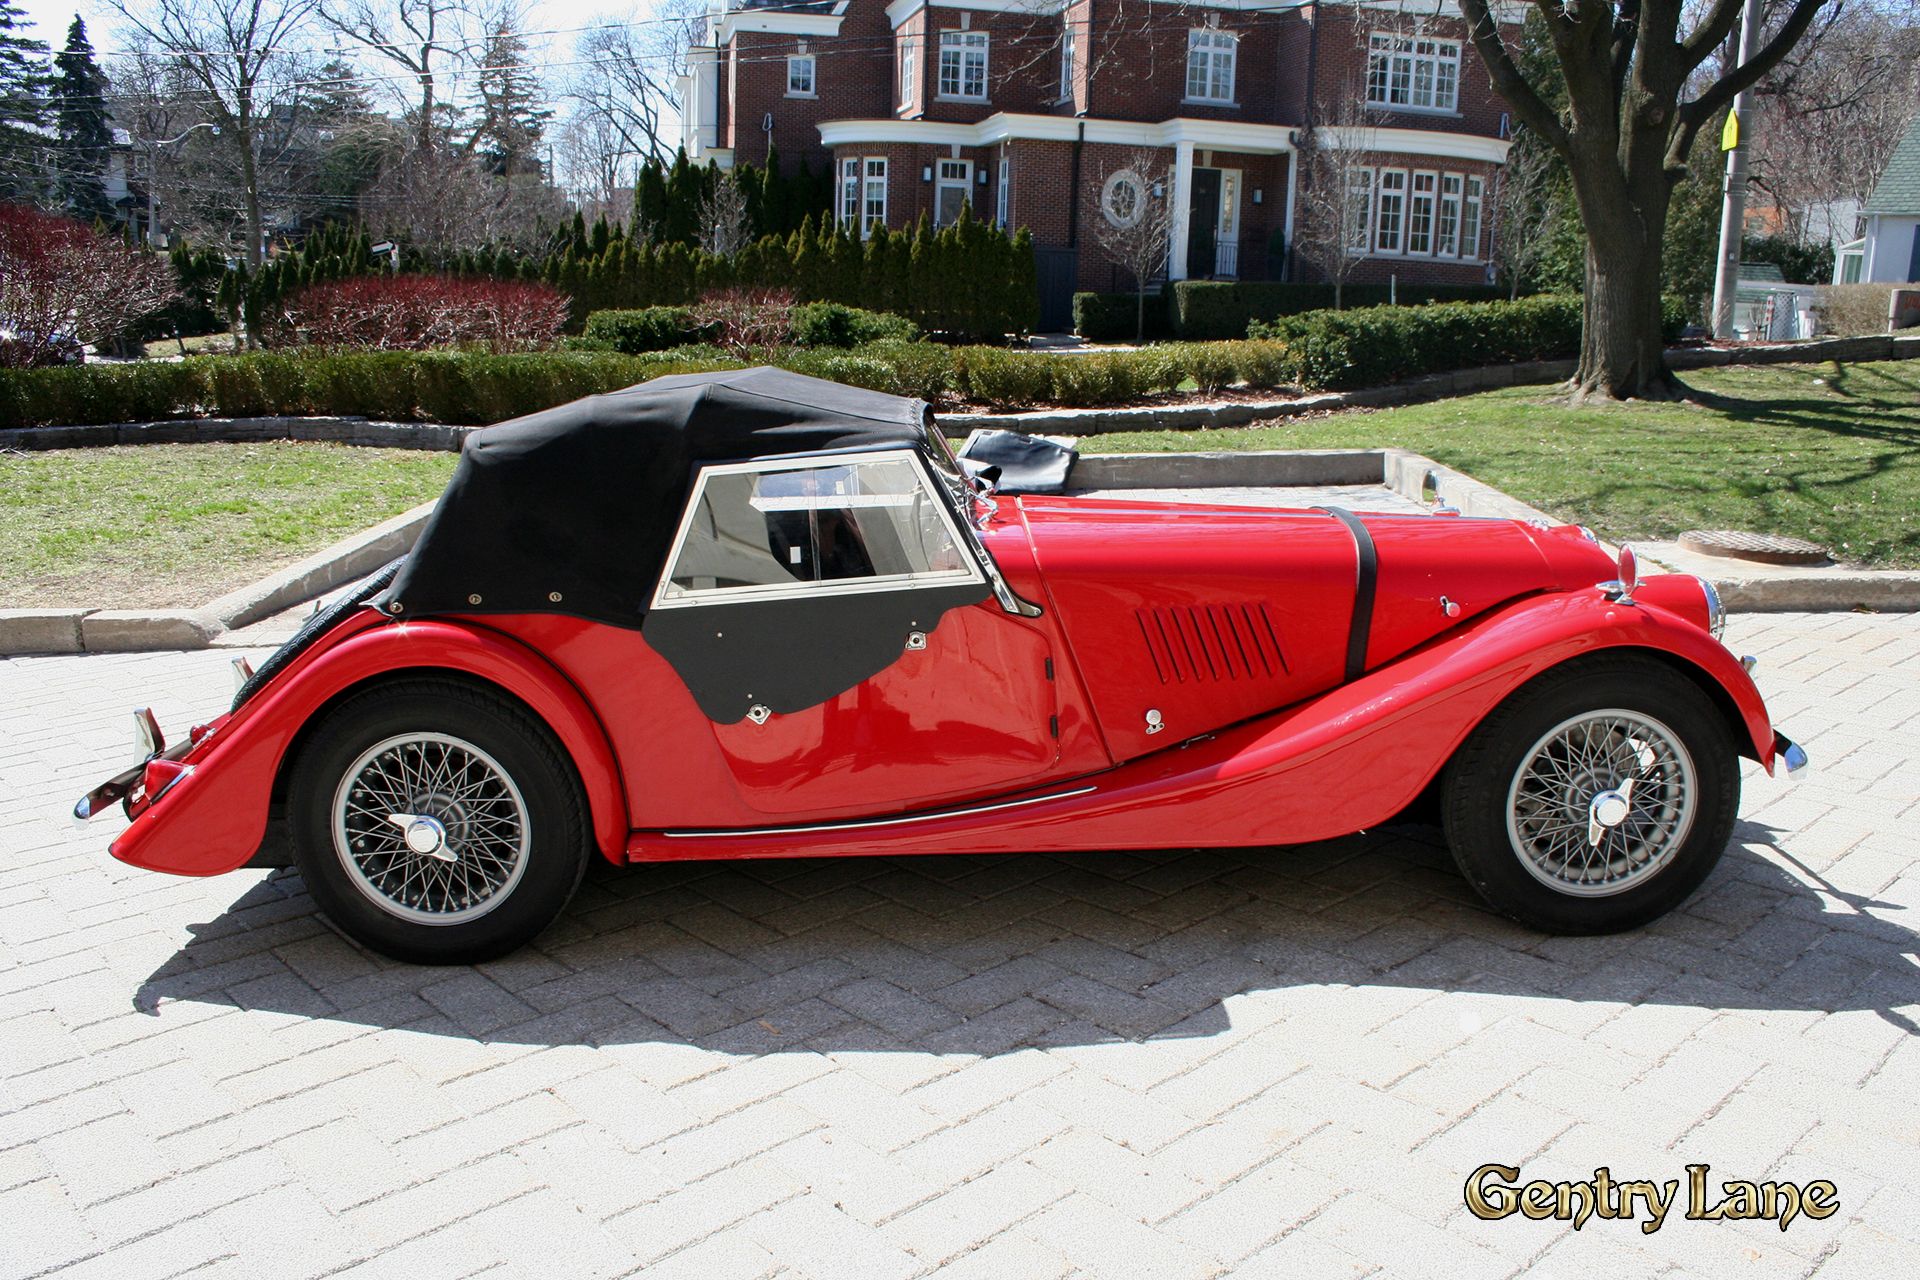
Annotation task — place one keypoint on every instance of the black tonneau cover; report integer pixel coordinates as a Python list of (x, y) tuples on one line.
[(571, 510)]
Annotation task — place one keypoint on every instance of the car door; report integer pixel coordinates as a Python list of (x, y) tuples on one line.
[(837, 626)]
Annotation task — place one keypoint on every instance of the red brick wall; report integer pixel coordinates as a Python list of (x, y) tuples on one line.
[(1341, 67), (1139, 70)]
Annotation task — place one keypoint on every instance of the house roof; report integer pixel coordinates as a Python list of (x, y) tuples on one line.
[(1899, 187)]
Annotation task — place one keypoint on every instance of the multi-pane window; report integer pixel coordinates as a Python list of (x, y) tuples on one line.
[(800, 75), (850, 192), (1447, 233), (1359, 210), (1066, 62), (1420, 215), (873, 210), (1210, 66), (950, 191), (1390, 210), (1413, 71), (963, 64), (907, 87), (1003, 211)]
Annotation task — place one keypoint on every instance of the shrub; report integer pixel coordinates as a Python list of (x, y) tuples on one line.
[(1851, 310), (742, 320), (1005, 379), (1205, 309), (1110, 317), (923, 370), (644, 329), (418, 313), (61, 281), (1337, 350), (833, 324)]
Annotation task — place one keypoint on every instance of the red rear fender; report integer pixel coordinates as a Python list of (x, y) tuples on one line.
[(213, 819)]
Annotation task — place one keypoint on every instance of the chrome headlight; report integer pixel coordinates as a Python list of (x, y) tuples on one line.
[(1716, 612)]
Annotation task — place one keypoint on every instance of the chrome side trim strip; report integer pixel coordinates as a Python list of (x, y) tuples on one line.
[(876, 822)]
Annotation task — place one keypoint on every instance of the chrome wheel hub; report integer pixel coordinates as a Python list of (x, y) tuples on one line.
[(430, 828), (1601, 802)]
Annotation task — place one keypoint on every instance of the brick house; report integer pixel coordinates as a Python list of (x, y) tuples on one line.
[(1039, 111)]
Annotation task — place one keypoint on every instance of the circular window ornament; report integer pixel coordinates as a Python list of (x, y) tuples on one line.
[(1123, 200)]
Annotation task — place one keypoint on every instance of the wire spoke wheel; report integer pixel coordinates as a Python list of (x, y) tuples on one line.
[(1602, 802), (430, 828)]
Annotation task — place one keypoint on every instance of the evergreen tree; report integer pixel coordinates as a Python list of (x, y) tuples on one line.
[(85, 138), (650, 203), (24, 82), (512, 123)]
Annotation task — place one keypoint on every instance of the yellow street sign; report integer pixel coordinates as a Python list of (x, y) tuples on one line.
[(1730, 132)]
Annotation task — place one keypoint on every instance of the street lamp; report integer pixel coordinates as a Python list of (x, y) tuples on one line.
[(153, 146)]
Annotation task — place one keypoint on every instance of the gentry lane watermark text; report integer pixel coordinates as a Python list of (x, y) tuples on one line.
[(1495, 1191)]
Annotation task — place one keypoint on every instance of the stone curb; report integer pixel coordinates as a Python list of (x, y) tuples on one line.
[(331, 430), (37, 631)]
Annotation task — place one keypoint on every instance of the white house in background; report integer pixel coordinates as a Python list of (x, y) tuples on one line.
[(1889, 250)]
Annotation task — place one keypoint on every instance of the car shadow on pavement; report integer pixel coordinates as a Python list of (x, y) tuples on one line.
[(986, 954)]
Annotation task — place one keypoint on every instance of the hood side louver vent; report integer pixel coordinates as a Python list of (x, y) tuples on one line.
[(1212, 643)]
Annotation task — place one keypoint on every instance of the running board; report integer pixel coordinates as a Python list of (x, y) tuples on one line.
[(863, 824)]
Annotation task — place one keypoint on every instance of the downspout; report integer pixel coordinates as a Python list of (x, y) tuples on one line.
[(1293, 161), (1073, 185)]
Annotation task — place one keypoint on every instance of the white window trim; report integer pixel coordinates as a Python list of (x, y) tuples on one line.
[(1402, 47), (1431, 198), (964, 42), (1003, 195), (1472, 194), (1380, 196), (1360, 243), (1066, 61), (867, 178), (1457, 199), (1212, 45), (909, 82), (813, 75), (941, 182), (970, 573), (850, 191)]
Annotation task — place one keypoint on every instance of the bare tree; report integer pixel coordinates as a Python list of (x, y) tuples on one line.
[(593, 166), (245, 56), (1335, 197), (1135, 228), (628, 74), (421, 37), (1833, 110), (1527, 200), (1638, 92), (724, 227), (445, 202)]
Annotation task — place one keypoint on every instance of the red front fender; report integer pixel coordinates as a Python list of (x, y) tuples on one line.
[(213, 819)]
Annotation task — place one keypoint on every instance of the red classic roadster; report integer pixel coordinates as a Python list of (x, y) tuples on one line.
[(752, 614)]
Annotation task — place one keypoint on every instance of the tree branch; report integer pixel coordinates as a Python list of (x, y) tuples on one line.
[(1507, 80), (1691, 115)]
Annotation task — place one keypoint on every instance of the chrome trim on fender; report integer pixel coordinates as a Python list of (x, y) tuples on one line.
[(1790, 753), (876, 822), (1716, 611)]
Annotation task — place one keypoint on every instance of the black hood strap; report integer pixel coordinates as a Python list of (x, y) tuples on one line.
[(1367, 578)]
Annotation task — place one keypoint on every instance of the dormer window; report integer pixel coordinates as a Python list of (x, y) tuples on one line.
[(1210, 58), (800, 75)]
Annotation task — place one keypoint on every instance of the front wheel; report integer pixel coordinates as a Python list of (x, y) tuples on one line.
[(1596, 798), (436, 822)]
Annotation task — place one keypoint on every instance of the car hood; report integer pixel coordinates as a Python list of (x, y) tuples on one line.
[(1207, 615)]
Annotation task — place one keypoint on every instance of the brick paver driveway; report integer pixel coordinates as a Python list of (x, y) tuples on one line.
[(1169, 1064)]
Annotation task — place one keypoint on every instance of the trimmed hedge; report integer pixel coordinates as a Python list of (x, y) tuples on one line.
[(1342, 350), (813, 324), (1319, 350), (1205, 309), (641, 330), (1110, 317)]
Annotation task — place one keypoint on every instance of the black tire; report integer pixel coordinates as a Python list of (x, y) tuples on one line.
[(1529, 769), (512, 832)]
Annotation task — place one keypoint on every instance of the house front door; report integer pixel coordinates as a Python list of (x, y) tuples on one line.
[(1203, 223)]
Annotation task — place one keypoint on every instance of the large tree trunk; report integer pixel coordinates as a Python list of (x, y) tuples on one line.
[(1621, 353), (1622, 356)]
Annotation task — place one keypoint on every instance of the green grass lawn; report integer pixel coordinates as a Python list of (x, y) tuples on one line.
[(155, 526), (1825, 452)]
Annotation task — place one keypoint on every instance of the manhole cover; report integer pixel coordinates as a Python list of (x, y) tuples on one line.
[(1762, 548)]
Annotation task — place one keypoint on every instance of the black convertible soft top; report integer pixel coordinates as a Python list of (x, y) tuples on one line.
[(571, 510)]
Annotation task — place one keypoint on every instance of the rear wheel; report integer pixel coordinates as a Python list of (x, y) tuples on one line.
[(437, 823), (1596, 798)]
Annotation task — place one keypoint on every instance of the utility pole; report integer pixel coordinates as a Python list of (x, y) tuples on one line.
[(1733, 211)]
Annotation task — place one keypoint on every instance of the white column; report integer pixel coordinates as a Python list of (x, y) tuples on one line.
[(1182, 197), (1293, 174)]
